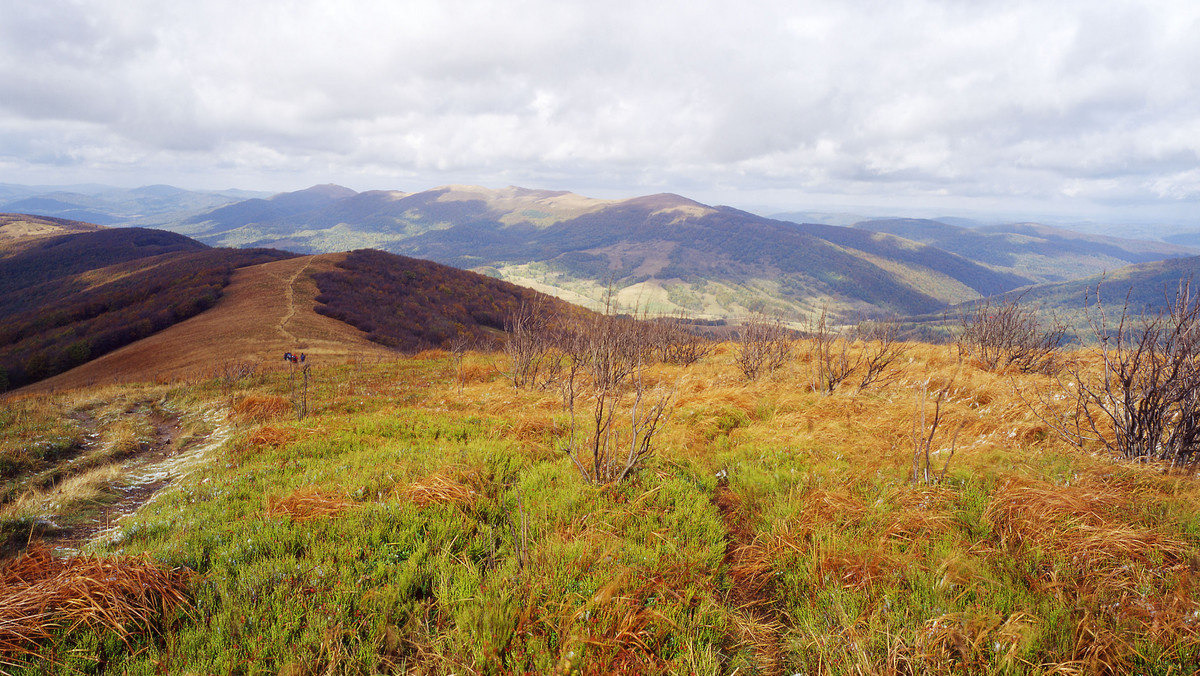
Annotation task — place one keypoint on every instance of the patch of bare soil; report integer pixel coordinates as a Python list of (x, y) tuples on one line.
[(751, 594)]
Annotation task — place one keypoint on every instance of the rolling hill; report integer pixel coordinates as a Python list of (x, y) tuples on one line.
[(664, 252), (147, 206), (1040, 253), (120, 304), (67, 299), (19, 231), (1147, 288)]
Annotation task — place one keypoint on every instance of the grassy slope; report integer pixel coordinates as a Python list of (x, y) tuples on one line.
[(413, 523), (265, 311), (19, 230), (69, 298)]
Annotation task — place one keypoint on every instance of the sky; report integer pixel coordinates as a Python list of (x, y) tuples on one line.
[(1083, 110)]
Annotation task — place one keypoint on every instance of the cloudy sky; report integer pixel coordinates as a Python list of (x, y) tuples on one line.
[(1084, 110)]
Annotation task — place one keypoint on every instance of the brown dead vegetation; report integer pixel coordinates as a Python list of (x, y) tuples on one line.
[(260, 408), (442, 489), (43, 596), (307, 504)]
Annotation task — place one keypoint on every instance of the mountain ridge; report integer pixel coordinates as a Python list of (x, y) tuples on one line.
[(664, 250)]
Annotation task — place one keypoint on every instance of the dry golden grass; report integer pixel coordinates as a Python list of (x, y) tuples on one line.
[(442, 488), (270, 436), (855, 570), (42, 595), (260, 408), (473, 374), (307, 504), (959, 642), (83, 489)]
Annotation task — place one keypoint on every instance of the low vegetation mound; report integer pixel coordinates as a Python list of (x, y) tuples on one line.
[(69, 299), (412, 304)]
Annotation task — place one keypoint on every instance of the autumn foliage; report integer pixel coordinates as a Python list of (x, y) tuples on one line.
[(412, 304)]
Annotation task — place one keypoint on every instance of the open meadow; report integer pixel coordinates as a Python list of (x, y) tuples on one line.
[(425, 516)]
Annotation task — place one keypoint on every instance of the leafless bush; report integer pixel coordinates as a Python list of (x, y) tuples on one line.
[(532, 361), (999, 334), (881, 349), (831, 357), (924, 430), (605, 359), (459, 346), (764, 344), (674, 342), (606, 449), (231, 372), (1143, 402)]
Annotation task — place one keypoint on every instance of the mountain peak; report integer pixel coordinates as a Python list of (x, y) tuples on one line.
[(329, 190)]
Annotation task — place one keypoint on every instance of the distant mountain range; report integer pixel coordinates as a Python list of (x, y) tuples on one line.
[(1039, 252), (153, 205), (668, 253), (660, 252)]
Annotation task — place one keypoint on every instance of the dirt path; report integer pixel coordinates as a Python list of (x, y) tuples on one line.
[(289, 293), (751, 594), (159, 462)]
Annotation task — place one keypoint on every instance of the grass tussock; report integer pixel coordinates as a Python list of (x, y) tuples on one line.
[(43, 597), (441, 489), (270, 436), (257, 408), (307, 504)]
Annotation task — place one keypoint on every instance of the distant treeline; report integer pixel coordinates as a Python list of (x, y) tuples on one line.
[(413, 304), (77, 297)]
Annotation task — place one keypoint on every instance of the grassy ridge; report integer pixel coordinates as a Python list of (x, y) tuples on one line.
[(425, 521), (72, 298)]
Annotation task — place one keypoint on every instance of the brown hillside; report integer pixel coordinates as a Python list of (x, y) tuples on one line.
[(18, 230), (266, 310)]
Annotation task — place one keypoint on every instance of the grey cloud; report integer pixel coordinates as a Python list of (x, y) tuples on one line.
[(917, 99)]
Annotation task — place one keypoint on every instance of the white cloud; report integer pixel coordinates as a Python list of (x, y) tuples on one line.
[(899, 101)]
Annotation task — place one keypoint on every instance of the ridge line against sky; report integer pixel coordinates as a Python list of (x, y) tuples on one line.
[(1079, 110)]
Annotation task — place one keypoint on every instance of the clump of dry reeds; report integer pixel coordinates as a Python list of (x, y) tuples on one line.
[(42, 595), (260, 408), (307, 504)]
